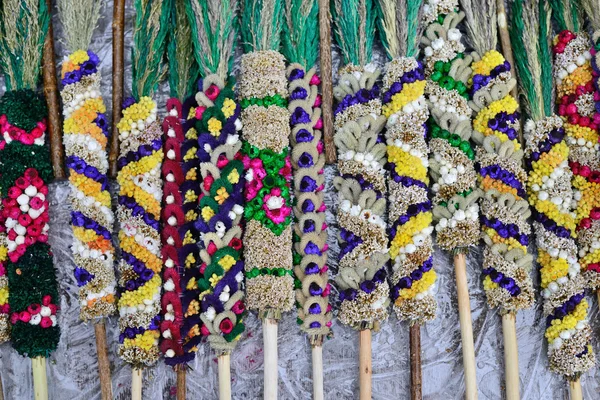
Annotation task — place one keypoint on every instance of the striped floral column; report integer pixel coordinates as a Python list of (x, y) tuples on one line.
[(4, 307)]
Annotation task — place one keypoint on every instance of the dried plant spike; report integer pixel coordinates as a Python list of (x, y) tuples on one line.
[(183, 67), (354, 29), (79, 19)]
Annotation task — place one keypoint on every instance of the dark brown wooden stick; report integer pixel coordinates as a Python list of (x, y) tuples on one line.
[(103, 362), (51, 94), (181, 391), (326, 81), (416, 380), (118, 26)]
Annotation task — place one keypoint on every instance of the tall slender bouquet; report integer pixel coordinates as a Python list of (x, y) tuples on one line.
[(85, 140), (451, 164), (25, 171), (221, 206), (404, 106), (140, 196), (4, 306), (551, 194), (362, 191), (301, 46), (265, 117)]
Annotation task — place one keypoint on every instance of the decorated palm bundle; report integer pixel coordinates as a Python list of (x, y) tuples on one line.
[(180, 326), (221, 204), (85, 139), (25, 171), (569, 352), (265, 118), (300, 46), (451, 164), (140, 195), (589, 239), (358, 123)]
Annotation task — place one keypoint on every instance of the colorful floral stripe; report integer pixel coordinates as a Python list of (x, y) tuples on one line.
[(266, 134), (451, 164), (138, 212), (221, 207), (310, 231), (411, 246), (25, 171), (4, 306), (562, 261)]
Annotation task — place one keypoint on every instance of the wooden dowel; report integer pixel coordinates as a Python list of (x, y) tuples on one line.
[(511, 356), (136, 384), (51, 95), (1, 390), (365, 364), (416, 380), (181, 389), (466, 326), (270, 353), (326, 80), (118, 41), (575, 390), (224, 377), (317, 372), (40, 381), (103, 362)]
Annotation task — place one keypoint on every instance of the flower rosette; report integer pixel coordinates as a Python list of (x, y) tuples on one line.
[(138, 212), (268, 234), (563, 287), (25, 170), (4, 306), (310, 230), (504, 211), (361, 186), (85, 138), (221, 209), (451, 164), (411, 247)]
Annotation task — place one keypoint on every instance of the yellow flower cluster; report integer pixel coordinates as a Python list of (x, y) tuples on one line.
[(417, 287), (590, 196), (190, 260), (128, 187), (592, 257), (207, 213), (227, 262), (409, 93), (568, 322), (579, 77), (214, 279), (190, 154), (579, 131), (90, 188), (136, 297), (81, 121), (488, 284), (488, 183), (510, 242), (151, 260), (144, 341), (234, 176), (3, 295), (488, 62), (140, 110), (228, 108), (551, 268), (506, 104), (221, 195), (3, 253), (214, 126), (407, 164), (74, 61), (406, 231)]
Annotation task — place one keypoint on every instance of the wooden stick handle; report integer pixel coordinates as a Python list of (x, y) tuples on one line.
[(270, 352), (51, 95), (511, 356), (466, 326), (118, 41), (505, 39), (181, 389), (103, 362), (365, 364), (326, 80), (224, 377), (40, 381), (317, 372), (416, 379), (575, 390), (136, 384)]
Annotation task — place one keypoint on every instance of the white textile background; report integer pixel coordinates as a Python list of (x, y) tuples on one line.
[(72, 369)]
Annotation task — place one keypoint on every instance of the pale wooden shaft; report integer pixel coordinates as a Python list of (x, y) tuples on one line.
[(40, 381), (575, 390), (365, 364), (317, 372), (511, 356), (136, 384), (270, 354), (224, 377)]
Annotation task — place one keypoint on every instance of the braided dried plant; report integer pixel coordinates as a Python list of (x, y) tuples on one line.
[(549, 188)]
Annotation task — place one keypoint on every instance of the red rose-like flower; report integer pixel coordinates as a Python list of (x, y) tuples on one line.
[(37, 133), (208, 181), (53, 308), (24, 219), (202, 268), (46, 322), (212, 92), (25, 316), (14, 318), (5, 308), (36, 203), (31, 173), (239, 307), (34, 309), (34, 231), (226, 325), (37, 182), (46, 300), (22, 183), (236, 244), (211, 248), (14, 192), (204, 330)]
